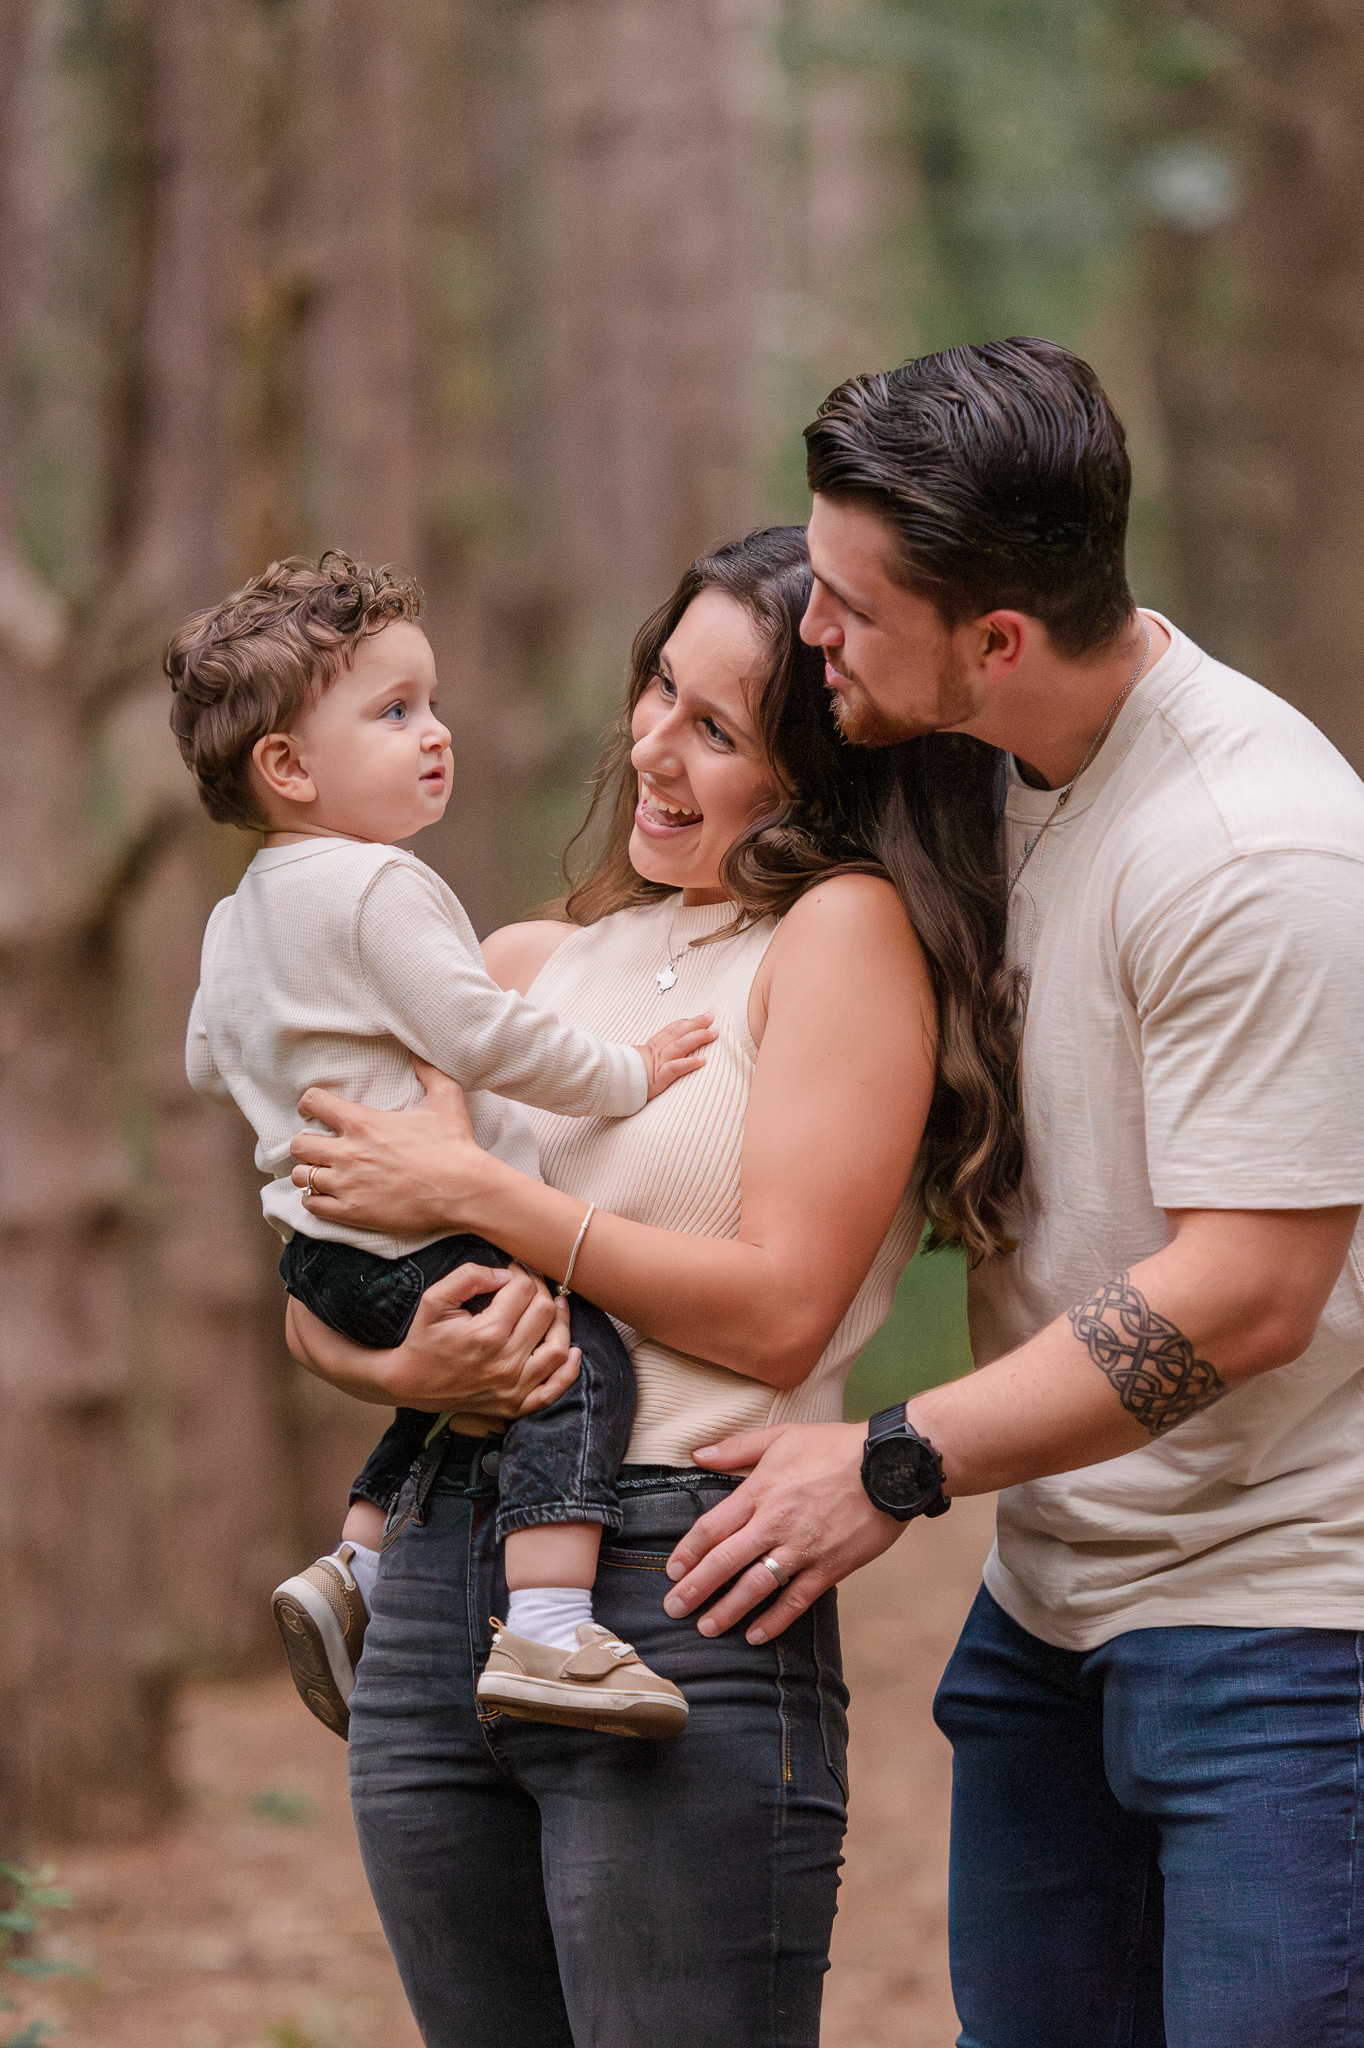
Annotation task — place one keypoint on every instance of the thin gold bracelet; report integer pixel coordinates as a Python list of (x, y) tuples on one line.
[(577, 1247)]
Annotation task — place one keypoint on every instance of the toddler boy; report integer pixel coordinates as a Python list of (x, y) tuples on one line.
[(305, 706)]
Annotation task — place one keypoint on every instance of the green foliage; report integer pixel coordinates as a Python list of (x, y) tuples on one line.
[(1189, 53), (31, 1895), (923, 1343), (1011, 119), (286, 1807), (321, 2027)]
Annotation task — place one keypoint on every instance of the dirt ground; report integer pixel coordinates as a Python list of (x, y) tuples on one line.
[(246, 1923)]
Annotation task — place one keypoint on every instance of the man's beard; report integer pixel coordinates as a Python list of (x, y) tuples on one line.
[(863, 723)]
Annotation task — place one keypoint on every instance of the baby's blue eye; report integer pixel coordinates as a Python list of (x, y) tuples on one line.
[(397, 711)]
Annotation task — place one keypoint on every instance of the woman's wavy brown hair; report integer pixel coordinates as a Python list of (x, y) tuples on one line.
[(924, 814)]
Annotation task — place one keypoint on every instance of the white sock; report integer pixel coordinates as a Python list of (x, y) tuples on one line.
[(549, 1614), (364, 1569)]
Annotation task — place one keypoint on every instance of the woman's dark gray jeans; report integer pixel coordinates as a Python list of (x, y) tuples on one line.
[(544, 1887), (558, 1465)]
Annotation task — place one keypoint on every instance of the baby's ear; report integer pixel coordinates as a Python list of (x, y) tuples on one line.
[(276, 762)]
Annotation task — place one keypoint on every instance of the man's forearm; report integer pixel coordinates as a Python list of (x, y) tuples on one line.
[(1231, 1296), (1041, 1409)]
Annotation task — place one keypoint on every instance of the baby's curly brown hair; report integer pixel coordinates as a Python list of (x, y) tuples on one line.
[(245, 667)]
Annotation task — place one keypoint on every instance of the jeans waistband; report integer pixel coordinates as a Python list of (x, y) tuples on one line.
[(674, 1478), (660, 1502)]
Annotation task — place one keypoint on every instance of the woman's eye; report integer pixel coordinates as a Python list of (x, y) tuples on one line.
[(716, 732), (666, 689)]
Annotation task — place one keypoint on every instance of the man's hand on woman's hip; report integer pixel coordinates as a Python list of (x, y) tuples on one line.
[(803, 1505)]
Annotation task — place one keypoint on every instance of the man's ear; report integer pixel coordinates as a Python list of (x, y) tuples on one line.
[(1003, 637), (277, 762)]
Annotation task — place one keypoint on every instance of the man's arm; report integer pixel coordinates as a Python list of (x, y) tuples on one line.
[(1234, 1294)]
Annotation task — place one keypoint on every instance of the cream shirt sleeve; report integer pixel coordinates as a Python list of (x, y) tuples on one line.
[(200, 1065), (424, 976), (1249, 993)]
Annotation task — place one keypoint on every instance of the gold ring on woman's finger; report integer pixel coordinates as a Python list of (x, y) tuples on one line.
[(311, 1171), (770, 1564)]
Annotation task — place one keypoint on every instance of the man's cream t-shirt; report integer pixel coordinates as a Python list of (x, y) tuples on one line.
[(1192, 931)]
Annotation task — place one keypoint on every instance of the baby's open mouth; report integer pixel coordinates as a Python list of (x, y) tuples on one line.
[(664, 816)]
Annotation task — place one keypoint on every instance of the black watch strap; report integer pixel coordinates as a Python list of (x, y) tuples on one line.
[(889, 1422), (893, 1422)]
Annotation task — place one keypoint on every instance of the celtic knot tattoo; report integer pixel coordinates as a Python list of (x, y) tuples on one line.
[(1149, 1362)]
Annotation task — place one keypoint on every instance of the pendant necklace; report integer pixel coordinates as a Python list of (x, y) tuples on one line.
[(1064, 796), (666, 976)]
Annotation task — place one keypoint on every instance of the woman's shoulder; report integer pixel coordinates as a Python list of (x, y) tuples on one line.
[(851, 930), (515, 954), (850, 906)]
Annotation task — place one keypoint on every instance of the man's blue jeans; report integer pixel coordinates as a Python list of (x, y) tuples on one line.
[(1157, 1841)]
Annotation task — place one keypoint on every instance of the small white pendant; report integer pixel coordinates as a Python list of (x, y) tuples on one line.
[(666, 978)]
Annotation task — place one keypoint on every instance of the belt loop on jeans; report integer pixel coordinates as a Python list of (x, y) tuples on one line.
[(432, 1458)]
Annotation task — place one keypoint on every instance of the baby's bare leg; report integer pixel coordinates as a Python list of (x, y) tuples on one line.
[(550, 1570), (364, 1524), (552, 1554)]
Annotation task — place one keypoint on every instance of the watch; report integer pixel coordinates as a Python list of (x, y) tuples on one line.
[(901, 1471)]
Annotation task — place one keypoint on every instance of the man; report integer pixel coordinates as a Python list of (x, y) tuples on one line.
[(1155, 1706)]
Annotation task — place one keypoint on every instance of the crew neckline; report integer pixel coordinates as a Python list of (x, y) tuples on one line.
[(695, 919), (306, 849)]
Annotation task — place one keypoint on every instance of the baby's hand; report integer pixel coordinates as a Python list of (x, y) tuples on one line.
[(675, 1051)]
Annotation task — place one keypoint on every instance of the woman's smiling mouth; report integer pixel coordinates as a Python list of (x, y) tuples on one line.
[(655, 815)]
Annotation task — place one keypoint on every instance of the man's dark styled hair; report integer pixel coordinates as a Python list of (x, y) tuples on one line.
[(1003, 470)]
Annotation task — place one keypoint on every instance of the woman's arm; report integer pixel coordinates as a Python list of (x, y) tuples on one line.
[(839, 1101)]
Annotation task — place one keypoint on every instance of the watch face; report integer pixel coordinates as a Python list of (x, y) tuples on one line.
[(901, 1472)]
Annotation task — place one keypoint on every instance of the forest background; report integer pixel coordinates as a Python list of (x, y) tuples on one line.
[(534, 298)]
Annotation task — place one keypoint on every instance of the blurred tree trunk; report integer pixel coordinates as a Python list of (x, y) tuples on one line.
[(1256, 305), (204, 315), (487, 291)]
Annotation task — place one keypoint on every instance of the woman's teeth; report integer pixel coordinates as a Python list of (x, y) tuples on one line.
[(673, 814)]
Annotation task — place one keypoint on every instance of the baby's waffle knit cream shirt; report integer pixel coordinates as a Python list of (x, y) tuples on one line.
[(335, 961)]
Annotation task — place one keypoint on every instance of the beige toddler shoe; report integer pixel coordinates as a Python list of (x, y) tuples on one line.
[(322, 1620), (602, 1685)]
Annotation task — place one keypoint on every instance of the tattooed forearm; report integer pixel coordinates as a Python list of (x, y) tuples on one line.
[(1149, 1362)]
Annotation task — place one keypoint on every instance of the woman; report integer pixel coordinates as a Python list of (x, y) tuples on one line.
[(837, 912)]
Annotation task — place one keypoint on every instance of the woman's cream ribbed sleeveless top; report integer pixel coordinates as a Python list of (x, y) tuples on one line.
[(676, 1163)]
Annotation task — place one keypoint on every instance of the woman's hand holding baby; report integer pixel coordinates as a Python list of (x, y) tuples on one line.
[(404, 1171), (412, 1170), (510, 1359)]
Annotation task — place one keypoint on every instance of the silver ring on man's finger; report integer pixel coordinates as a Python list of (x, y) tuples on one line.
[(770, 1563), (311, 1171)]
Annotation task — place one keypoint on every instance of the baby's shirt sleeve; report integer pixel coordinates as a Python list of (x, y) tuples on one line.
[(424, 974), (200, 1065)]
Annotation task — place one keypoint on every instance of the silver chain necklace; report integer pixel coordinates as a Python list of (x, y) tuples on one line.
[(666, 976), (1064, 795)]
